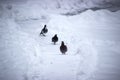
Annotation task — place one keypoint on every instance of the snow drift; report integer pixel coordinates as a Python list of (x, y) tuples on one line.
[(65, 7), (92, 38)]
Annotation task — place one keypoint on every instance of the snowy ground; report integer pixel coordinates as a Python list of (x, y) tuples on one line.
[(92, 39)]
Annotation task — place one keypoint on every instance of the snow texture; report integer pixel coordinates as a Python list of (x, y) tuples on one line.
[(92, 38)]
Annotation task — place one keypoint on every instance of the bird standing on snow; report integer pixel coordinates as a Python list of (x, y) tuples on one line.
[(44, 31), (55, 38), (63, 48)]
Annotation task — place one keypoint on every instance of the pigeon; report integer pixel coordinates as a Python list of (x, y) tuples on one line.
[(63, 48), (55, 39), (44, 31)]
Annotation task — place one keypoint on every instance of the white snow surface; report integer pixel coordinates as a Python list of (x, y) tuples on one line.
[(65, 7), (92, 38)]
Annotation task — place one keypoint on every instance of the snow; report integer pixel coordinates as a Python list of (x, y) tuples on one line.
[(92, 38), (65, 7)]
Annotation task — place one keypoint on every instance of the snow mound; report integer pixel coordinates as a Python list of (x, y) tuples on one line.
[(65, 7), (18, 52)]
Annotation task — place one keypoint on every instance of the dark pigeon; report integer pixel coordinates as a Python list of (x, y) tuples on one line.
[(44, 31), (55, 39), (63, 48)]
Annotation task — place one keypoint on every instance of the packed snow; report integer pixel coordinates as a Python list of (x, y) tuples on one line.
[(92, 38)]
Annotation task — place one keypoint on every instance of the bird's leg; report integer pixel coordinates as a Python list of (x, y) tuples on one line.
[(43, 34)]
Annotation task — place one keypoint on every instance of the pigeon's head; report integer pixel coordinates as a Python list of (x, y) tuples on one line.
[(55, 34), (44, 26), (62, 42)]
